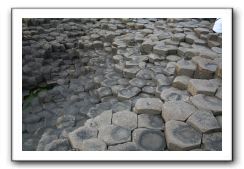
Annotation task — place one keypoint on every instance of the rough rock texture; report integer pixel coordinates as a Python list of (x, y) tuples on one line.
[(148, 106)]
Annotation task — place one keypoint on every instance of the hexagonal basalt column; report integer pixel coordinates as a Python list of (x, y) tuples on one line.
[(125, 119), (181, 136), (199, 86), (148, 106)]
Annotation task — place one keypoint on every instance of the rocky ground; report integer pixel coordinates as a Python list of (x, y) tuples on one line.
[(121, 84)]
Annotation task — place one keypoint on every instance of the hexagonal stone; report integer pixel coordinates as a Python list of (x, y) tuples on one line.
[(160, 50), (77, 136), (149, 90), (148, 139), (206, 68), (127, 93), (130, 72), (185, 67), (190, 38), (199, 86), (177, 110), (145, 74), (126, 119), (173, 94), (178, 37), (150, 121), (173, 58), (65, 121), (155, 58), (212, 141), (94, 144), (101, 120), (201, 31), (162, 80), (115, 89), (137, 82), (109, 82), (112, 134), (208, 103), (120, 106), (169, 70), (148, 106), (204, 122), (181, 136), (147, 46), (58, 145), (181, 82), (129, 146), (103, 92)]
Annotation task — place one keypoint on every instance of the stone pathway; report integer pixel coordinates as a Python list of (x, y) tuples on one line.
[(121, 85)]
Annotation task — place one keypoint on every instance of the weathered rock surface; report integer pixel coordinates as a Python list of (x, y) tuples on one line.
[(126, 119), (148, 106)]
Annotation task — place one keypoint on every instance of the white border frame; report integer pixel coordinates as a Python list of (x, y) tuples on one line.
[(19, 155)]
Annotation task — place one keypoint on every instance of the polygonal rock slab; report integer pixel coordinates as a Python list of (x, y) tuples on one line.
[(127, 93), (173, 94), (148, 106), (208, 103), (177, 110), (120, 106), (101, 120), (204, 122), (173, 58), (148, 139), (200, 86), (104, 91), (212, 141), (150, 121), (185, 67), (77, 136), (112, 134), (155, 58), (149, 90), (130, 72), (145, 74), (181, 136), (129, 146), (137, 82), (58, 145), (147, 46), (65, 121), (162, 80), (181, 82), (126, 119), (94, 144)]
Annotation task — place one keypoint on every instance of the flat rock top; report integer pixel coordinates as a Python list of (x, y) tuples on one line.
[(148, 106)]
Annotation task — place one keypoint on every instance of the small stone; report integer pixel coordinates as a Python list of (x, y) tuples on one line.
[(170, 69), (212, 141), (160, 50), (162, 80), (173, 58), (94, 144), (148, 106), (204, 122), (208, 103), (127, 93), (77, 136), (181, 136), (65, 121), (115, 89), (120, 106), (178, 37), (181, 82), (199, 86), (130, 72), (177, 110), (185, 67), (128, 146), (137, 82), (147, 46), (126, 119), (112, 134), (155, 58), (173, 94), (149, 90), (149, 140), (104, 91), (150, 121), (145, 74), (58, 145)]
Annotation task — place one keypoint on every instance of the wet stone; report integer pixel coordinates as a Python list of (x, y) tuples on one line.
[(128, 146), (149, 140), (94, 144), (150, 121), (212, 141), (204, 122), (185, 67), (127, 93), (77, 136), (137, 82), (208, 103), (199, 86), (177, 110), (126, 119), (181, 136), (148, 106), (112, 134), (174, 94), (181, 82)]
